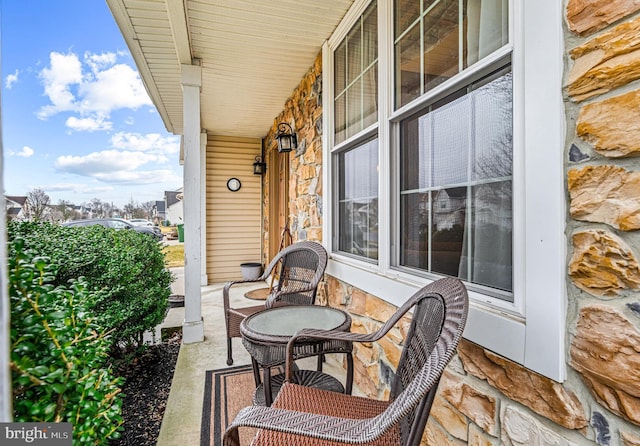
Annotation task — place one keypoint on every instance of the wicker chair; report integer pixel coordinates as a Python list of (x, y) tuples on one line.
[(301, 267), (308, 416)]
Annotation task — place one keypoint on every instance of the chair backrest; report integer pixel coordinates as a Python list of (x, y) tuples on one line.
[(439, 318), (302, 266)]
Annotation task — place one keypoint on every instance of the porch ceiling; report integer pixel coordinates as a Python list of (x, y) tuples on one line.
[(253, 53)]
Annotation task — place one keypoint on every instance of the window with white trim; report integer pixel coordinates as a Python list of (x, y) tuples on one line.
[(455, 155), (355, 107), (455, 194), (358, 200), (436, 39), (468, 140)]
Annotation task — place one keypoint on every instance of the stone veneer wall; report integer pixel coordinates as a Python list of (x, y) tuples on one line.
[(485, 399), (602, 97), (303, 111)]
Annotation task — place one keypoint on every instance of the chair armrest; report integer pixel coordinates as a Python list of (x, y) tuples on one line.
[(228, 285), (305, 424), (263, 277), (277, 295), (306, 335)]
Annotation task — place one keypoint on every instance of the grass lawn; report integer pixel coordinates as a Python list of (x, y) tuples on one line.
[(174, 255), (167, 229)]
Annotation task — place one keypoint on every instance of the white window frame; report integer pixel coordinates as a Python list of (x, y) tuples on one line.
[(531, 330)]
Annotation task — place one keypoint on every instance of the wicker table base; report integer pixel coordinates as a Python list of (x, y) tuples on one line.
[(309, 378), (265, 335)]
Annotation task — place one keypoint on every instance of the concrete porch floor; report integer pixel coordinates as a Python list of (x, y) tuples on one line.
[(183, 414)]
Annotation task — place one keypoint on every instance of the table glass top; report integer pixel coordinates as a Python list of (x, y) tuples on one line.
[(287, 321)]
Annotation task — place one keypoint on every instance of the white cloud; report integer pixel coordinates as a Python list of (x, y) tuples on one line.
[(141, 177), (11, 79), (118, 86), (99, 61), (64, 187), (92, 88), (26, 152), (90, 124), (106, 162), (76, 187), (65, 71), (151, 142)]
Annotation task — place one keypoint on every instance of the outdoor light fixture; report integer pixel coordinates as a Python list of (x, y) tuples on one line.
[(287, 139), (259, 167)]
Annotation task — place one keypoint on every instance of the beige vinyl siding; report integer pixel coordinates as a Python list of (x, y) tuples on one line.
[(234, 219)]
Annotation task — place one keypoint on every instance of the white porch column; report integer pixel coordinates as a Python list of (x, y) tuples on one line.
[(6, 397), (204, 280), (193, 326)]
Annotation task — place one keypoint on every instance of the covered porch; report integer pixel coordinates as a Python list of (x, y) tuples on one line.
[(182, 422), (224, 75), (219, 74)]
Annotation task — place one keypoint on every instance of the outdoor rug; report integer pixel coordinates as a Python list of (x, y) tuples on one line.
[(226, 391)]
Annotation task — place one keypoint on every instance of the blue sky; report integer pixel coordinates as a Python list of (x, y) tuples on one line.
[(76, 119)]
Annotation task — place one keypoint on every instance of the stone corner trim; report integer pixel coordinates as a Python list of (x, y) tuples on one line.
[(474, 404), (605, 351), (542, 395), (629, 439), (588, 16), (605, 194), (520, 428), (612, 125), (608, 61), (602, 264)]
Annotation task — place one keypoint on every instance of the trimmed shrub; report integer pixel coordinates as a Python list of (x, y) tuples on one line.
[(58, 352), (123, 269)]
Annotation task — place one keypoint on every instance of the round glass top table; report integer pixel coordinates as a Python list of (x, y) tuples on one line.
[(287, 321), (265, 336)]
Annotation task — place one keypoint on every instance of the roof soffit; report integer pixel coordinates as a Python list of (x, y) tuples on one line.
[(253, 54)]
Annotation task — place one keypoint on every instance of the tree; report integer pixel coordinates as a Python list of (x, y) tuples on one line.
[(148, 209), (129, 208), (65, 211), (133, 209), (36, 208), (98, 208)]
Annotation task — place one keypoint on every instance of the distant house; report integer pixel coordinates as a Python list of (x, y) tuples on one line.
[(173, 206), (159, 211), (15, 207), (449, 208), (65, 212), (520, 102)]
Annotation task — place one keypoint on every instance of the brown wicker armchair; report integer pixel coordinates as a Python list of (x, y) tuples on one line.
[(308, 416), (301, 267)]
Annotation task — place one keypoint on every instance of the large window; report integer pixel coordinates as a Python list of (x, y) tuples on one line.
[(443, 156), (456, 185), (358, 200), (356, 77), (355, 229), (436, 39)]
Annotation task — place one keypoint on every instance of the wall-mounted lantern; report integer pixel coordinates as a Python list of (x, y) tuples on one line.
[(287, 139), (259, 167)]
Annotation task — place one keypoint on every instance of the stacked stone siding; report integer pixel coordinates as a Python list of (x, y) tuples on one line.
[(303, 111), (483, 398), (603, 184)]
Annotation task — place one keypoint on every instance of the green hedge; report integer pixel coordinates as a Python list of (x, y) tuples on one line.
[(58, 352), (124, 270)]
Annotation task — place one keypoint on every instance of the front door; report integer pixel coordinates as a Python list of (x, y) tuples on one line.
[(278, 202)]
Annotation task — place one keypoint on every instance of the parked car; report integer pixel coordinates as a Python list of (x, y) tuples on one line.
[(118, 223), (141, 222)]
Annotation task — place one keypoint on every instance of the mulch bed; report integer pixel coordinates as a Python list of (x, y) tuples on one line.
[(146, 390)]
